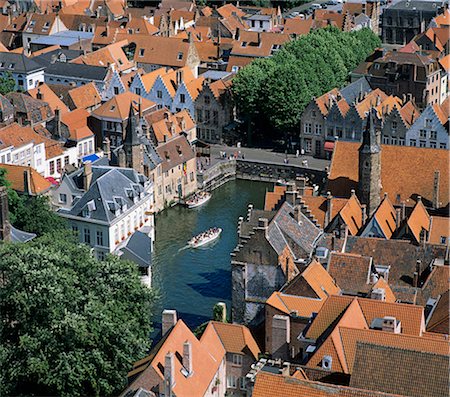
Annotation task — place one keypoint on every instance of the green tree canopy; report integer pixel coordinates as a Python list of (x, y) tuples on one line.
[(281, 87), (70, 324), (7, 83)]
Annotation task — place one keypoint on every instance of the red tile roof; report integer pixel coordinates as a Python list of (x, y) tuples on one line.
[(15, 175), (405, 172)]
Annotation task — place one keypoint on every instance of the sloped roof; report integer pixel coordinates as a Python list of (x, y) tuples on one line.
[(300, 305), (350, 271), (36, 110), (351, 214), (159, 50), (298, 26), (439, 320), (21, 63), (76, 122), (85, 96), (284, 229), (118, 107), (318, 207), (235, 338), (439, 227), (418, 220), (47, 95), (411, 316), (110, 189), (409, 113), (405, 171), (386, 217), (247, 44), (320, 280), (149, 79), (207, 355), (111, 54), (174, 152), (375, 365), (15, 175), (268, 385), (383, 284)]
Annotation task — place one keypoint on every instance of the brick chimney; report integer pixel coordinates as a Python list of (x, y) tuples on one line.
[(169, 319), (169, 374), (39, 94), (87, 175), (5, 226), (281, 336), (187, 356)]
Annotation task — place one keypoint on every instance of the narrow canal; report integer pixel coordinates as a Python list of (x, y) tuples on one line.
[(193, 280)]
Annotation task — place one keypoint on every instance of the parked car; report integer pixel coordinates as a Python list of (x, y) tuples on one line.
[(315, 6)]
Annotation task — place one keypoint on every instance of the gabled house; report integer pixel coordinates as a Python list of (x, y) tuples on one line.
[(428, 130), (114, 86), (397, 121), (105, 206), (44, 93), (289, 312), (111, 118), (180, 364), (154, 52), (241, 351), (214, 111), (272, 247), (25, 71), (39, 25), (23, 146), (383, 222)]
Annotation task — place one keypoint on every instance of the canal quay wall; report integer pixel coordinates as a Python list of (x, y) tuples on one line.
[(227, 170)]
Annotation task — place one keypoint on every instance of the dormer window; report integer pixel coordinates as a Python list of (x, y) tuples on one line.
[(141, 52), (11, 65), (180, 56), (244, 44)]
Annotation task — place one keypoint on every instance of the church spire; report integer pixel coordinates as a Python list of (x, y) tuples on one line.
[(369, 166), (131, 132)]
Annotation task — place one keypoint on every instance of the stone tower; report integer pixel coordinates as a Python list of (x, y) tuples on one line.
[(369, 186), (132, 145)]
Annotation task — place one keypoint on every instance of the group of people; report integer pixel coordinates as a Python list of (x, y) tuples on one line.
[(197, 198), (206, 234), (236, 155)]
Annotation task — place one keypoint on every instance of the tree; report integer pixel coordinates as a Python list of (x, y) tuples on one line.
[(7, 83), (276, 90), (70, 324), (34, 215)]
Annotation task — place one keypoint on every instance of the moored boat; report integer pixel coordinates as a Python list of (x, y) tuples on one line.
[(204, 238), (198, 199)]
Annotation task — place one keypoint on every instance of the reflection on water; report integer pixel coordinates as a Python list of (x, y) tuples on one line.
[(193, 280)]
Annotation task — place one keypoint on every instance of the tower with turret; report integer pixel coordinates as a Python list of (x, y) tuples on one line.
[(369, 183), (131, 154)]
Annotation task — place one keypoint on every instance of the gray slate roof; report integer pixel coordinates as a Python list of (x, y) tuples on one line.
[(75, 70), (417, 5), (21, 63), (284, 229), (138, 249), (352, 91), (111, 188), (19, 236)]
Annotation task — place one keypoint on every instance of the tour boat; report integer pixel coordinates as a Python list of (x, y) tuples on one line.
[(198, 199), (205, 238)]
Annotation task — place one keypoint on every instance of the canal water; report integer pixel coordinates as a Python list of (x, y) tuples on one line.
[(192, 281)]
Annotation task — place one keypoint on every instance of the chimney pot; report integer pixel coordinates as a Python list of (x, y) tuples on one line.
[(169, 319), (187, 356), (169, 373)]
